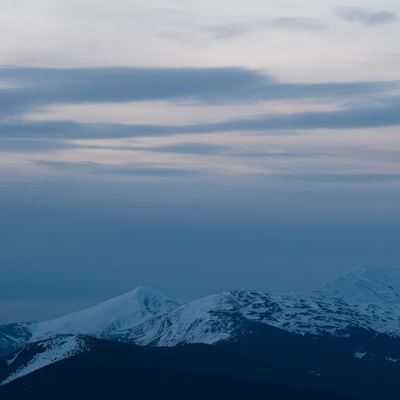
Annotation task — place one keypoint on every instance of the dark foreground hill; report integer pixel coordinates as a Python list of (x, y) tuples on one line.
[(121, 371)]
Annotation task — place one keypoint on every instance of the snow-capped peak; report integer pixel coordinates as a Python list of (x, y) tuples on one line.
[(122, 312), (368, 283), (382, 276)]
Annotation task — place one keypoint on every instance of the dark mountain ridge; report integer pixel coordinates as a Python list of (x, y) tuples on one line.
[(124, 371), (342, 339)]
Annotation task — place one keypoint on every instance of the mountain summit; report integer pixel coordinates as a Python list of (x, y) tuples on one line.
[(112, 316), (117, 314), (367, 281)]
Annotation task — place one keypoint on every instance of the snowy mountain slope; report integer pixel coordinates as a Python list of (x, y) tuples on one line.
[(123, 312), (41, 354), (13, 337), (366, 298), (359, 284), (207, 320)]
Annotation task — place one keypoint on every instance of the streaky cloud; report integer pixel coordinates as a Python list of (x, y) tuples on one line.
[(197, 148), (276, 154), (27, 145), (141, 169), (230, 151), (34, 89), (191, 148), (72, 130), (308, 24), (38, 87), (350, 178), (366, 17), (229, 30), (152, 170), (380, 115)]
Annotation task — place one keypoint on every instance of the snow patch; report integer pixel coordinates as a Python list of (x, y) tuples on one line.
[(392, 359), (312, 372), (11, 360), (360, 355), (53, 350)]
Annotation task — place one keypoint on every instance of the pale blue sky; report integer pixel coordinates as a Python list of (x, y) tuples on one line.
[(193, 147)]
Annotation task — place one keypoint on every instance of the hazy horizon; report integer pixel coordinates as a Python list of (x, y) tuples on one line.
[(193, 147)]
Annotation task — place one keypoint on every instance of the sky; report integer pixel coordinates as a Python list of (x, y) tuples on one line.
[(193, 147)]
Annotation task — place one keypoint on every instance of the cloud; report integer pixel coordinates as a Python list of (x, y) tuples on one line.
[(230, 151), (234, 30), (368, 104), (365, 17), (384, 114), (157, 171), (142, 169), (27, 145), (375, 116), (71, 130), (351, 178), (228, 30), (36, 88), (191, 148), (276, 154), (307, 24)]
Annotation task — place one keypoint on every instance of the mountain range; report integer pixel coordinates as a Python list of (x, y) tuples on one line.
[(341, 340)]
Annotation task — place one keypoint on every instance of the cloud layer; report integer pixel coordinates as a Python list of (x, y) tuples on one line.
[(194, 146), (31, 88), (366, 17)]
